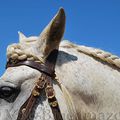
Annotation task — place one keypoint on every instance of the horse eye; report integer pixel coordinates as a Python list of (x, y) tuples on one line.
[(6, 91)]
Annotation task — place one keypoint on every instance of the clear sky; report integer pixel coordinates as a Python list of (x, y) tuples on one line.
[(94, 23)]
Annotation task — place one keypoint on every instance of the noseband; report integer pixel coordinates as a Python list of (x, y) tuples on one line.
[(45, 83)]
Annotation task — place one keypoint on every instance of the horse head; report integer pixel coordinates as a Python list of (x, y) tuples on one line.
[(17, 83)]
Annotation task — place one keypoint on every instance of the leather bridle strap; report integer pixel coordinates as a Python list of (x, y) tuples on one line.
[(35, 65), (45, 83)]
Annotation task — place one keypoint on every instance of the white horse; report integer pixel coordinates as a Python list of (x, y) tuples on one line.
[(89, 78)]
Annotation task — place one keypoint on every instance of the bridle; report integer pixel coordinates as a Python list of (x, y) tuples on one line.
[(44, 84)]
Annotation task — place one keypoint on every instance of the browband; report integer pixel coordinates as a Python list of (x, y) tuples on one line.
[(35, 65)]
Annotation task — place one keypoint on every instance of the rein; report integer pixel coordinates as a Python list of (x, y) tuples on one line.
[(44, 84)]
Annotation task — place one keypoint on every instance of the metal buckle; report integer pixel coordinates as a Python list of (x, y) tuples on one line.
[(35, 93), (54, 103), (40, 84), (50, 93)]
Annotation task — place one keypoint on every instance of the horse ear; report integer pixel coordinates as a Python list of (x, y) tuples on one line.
[(53, 32), (22, 37)]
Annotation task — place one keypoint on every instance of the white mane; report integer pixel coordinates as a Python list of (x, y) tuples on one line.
[(98, 53), (14, 51)]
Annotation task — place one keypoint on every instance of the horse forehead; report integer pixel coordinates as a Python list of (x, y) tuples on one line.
[(21, 73)]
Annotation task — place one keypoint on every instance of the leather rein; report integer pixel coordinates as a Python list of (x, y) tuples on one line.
[(44, 84)]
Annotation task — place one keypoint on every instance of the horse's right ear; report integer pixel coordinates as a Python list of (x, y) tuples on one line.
[(22, 37), (51, 36)]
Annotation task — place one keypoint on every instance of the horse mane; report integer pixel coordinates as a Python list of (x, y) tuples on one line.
[(97, 53)]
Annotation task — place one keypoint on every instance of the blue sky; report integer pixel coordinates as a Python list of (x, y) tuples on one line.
[(94, 23)]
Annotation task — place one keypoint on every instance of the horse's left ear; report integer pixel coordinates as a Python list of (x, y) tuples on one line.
[(22, 37), (51, 36)]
